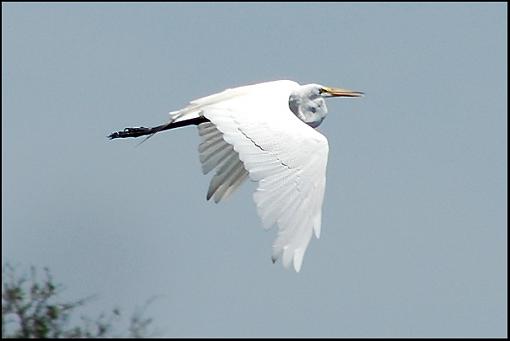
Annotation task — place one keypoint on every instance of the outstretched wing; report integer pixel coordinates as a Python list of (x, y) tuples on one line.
[(253, 133), (284, 155)]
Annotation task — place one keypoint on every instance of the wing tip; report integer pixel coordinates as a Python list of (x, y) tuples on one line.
[(297, 260)]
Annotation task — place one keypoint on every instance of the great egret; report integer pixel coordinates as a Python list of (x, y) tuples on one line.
[(265, 132)]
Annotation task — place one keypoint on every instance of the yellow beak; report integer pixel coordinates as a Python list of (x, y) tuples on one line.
[(337, 92)]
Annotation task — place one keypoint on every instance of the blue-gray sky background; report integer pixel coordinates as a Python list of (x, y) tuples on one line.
[(414, 229)]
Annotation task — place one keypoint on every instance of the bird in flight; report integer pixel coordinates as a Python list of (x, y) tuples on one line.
[(265, 132)]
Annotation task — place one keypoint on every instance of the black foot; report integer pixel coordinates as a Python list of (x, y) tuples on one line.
[(129, 132)]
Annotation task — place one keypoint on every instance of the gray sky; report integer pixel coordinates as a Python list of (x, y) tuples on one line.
[(413, 238)]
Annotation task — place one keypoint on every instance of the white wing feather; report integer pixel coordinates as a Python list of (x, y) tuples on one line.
[(252, 131), (216, 153)]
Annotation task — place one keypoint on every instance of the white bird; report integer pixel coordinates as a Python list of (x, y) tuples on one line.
[(266, 132)]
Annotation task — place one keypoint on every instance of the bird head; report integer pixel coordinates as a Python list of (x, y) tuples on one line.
[(308, 101)]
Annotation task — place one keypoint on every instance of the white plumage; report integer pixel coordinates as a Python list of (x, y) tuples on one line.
[(265, 132), (253, 132)]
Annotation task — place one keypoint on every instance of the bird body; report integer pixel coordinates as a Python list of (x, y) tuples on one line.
[(265, 132), (271, 93)]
